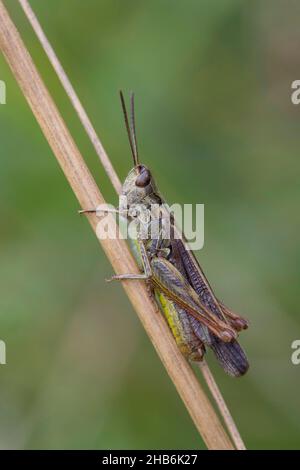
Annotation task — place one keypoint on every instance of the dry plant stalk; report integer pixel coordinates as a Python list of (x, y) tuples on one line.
[(88, 195), (89, 128)]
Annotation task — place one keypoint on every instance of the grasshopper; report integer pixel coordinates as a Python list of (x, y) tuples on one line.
[(194, 314)]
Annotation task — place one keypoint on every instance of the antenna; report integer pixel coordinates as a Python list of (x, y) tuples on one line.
[(130, 129), (133, 131)]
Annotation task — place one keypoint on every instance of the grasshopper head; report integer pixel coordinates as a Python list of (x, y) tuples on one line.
[(138, 185)]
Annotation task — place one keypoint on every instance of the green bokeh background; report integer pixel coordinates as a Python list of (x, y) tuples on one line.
[(217, 126)]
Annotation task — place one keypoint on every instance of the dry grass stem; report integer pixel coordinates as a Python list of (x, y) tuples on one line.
[(223, 408), (85, 120)]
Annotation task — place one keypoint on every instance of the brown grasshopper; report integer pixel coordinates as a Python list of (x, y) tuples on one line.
[(196, 317)]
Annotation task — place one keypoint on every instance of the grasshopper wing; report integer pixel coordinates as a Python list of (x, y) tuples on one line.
[(230, 355)]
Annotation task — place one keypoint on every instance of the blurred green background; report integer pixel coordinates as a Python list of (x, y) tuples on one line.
[(217, 126)]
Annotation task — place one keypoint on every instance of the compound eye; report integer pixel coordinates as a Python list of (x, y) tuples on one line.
[(144, 178)]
